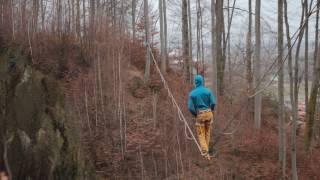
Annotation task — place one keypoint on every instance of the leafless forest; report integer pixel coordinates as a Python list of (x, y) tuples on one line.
[(98, 89)]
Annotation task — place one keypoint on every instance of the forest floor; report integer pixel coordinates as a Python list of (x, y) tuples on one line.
[(246, 154)]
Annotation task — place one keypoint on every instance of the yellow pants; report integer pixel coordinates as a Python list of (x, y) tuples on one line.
[(203, 128)]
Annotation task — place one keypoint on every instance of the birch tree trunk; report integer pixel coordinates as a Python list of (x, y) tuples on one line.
[(257, 99), (147, 41)]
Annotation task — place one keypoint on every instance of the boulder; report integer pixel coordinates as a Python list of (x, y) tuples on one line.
[(39, 139)]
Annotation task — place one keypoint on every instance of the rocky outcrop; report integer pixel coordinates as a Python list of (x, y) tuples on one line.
[(39, 139)]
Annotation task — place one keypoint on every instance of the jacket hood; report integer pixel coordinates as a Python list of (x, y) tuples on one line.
[(198, 80)]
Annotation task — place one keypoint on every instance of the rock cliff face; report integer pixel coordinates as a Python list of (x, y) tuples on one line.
[(39, 139)]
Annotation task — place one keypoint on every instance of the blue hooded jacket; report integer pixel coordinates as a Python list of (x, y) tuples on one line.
[(200, 98)]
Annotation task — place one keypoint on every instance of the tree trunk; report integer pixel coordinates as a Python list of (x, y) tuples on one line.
[(84, 30), (59, 16), (78, 30), (185, 40), (306, 58), (190, 42), (147, 41), (249, 75), (198, 36), (282, 148), (228, 57), (258, 97), (213, 46), (162, 43), (23, 16), (201, 38), (134, 4), (165, 33), (35, 15), (43, 14), (316, 123), (92, 19), (316, 37), (72, 17), (294, 112), (219, 53), (312, 103)]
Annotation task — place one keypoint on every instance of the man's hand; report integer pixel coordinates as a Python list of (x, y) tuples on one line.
[(212, 107)]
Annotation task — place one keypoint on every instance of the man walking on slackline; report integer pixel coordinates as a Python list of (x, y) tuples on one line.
[(201, 104)]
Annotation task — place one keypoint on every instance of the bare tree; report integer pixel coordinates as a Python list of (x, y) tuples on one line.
[(165, 32), (59, 16), (84, 29), (201, 38), (147, 41), (92, 18), (190, 41), (213, 46), (282, 146), (162, 43), (315, 55), (43, 14), (316, 124), (198, 35), (78, 30), (312, 103), (306, 58), (219, 51), (185, 40), (257, 98), (249, 75), (23, 16), (35, 14), (134, 5), (294, 112)]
